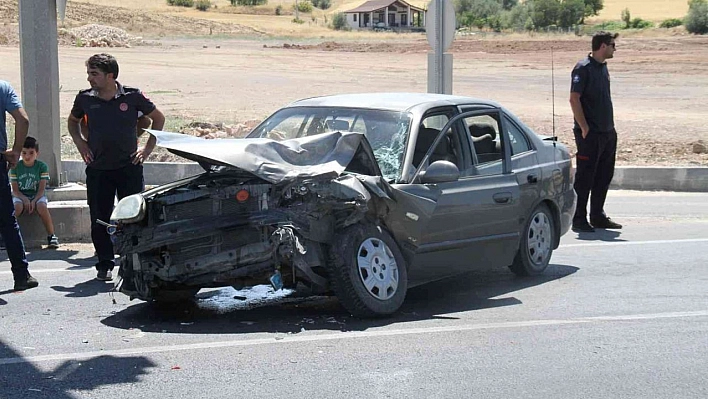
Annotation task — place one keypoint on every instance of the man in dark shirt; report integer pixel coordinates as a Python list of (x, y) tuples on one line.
[(595, 134), (113, 159)]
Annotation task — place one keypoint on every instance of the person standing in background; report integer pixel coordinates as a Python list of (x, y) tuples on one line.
[(595, 134), (113, 159)]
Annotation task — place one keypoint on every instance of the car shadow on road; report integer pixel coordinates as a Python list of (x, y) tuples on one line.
[(602, 235), (437, 300), (88, 288), (20, 378)]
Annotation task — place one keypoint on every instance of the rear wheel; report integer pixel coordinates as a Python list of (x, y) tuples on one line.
[(367, 271), (536, 246)]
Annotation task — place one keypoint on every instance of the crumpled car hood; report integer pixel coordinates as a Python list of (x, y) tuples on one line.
[(270, 160)]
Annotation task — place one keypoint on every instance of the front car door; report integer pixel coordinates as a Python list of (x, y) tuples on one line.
[(452, 227)]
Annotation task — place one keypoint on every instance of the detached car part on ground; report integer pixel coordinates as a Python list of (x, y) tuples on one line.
[(340, 203)]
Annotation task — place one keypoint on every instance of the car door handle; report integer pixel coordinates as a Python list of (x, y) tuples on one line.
[(532, 179), (502, 198)]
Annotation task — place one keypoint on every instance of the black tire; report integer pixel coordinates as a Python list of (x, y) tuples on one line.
[(388, 269), (536, 245)]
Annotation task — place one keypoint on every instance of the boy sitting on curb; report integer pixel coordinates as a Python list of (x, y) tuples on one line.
[(29, 180)]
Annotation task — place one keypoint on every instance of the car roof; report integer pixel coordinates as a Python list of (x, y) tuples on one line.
[(390, 101)]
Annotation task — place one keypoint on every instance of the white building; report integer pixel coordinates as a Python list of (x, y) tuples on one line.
[(386, 14)]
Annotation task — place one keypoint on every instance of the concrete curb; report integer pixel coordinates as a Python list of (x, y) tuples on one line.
[(71, 215), (655, 178), (155, 173)]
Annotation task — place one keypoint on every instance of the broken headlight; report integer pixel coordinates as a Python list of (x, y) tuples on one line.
[(130, 209)]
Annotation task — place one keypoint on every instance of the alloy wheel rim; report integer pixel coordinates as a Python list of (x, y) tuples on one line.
[(377, 268), (539, 239)]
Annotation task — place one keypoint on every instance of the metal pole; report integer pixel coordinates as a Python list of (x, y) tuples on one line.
[(440, 4), (39, 59)]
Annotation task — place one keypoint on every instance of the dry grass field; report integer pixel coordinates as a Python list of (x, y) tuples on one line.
[(652, 10), (263, 18)]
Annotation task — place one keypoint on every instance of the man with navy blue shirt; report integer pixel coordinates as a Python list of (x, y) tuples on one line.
[(113, 159), (10, 103), (595, 134)]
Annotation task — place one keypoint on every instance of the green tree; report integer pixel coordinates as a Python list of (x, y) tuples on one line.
[(638, 23), (545, 13), (696, 20), (671, 23), (339, 21), (203, 5), (181, 3), (519, 17), (571, 13), (248, 2), (593, 7), (303, 6), (509, 4), (477, 12), (626, 17)]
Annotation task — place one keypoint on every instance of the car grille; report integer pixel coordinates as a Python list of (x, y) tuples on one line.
[(212, 244), (219, 240), (211, 206)]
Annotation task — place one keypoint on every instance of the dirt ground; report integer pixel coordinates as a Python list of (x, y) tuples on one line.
[(659, 81)]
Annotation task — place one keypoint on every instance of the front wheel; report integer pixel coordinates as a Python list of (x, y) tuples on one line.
[(536, 246), (367, 271)]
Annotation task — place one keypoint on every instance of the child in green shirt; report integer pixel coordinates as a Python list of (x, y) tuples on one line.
[(29, 180)]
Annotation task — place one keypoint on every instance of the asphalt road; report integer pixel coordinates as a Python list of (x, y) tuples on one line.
[(617, 315)]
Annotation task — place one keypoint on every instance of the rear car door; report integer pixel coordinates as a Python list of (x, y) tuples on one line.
[(495, 198), (524, 165)]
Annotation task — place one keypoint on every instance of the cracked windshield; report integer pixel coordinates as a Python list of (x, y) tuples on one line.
[(385, 130)]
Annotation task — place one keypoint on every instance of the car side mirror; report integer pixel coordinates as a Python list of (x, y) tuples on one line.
[(439, 172)]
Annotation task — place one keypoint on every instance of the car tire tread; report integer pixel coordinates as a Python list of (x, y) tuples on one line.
[(522, 265), (344, 278)]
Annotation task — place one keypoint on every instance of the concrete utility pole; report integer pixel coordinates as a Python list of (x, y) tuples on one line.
[(440, 30), (39, 55)]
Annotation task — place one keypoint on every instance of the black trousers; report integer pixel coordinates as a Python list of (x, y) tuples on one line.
[(10, 229), (102, 186), (595, 167)]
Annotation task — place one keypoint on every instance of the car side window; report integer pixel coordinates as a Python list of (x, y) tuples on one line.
[(518, 141), (486, 141), (435, 121), (428, 131)]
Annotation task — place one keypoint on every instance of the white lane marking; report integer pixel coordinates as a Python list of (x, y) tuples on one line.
[(621, 243), (346, 335)]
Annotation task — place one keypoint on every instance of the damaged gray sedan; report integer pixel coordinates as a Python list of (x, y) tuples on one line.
[(361, 196)]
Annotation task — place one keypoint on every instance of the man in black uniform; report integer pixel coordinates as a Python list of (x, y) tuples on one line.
[(113, 159), (595, 134)]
